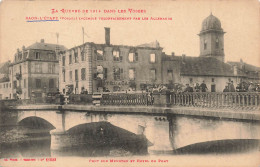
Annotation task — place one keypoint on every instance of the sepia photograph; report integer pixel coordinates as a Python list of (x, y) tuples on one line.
[(129, 83)]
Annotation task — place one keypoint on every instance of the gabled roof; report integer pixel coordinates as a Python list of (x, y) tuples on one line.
[(45, 46), (245, 66), (207, 66)]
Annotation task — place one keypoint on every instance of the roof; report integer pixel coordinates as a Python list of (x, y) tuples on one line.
[(244, 66), (4, 67), (211, 23), (4, 79), (251, 71), (154, 44), (45, 46), (207, 66), (144, 46)]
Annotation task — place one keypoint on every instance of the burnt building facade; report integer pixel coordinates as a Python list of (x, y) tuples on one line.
[(94, 67)]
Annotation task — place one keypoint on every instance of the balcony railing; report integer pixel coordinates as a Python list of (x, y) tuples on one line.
[(240, 100)]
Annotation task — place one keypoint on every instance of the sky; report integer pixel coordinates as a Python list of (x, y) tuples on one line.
[(239, 19)]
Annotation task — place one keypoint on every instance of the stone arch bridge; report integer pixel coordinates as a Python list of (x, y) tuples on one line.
[(166, 129)]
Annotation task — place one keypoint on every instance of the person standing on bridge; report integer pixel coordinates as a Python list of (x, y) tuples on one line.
[(188, 88), (203, 87)]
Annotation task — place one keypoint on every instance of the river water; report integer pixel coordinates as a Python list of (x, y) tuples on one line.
[(20, 142)]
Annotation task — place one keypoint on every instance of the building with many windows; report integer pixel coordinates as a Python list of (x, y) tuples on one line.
[(93, 67), (116, 67), (35, 70)]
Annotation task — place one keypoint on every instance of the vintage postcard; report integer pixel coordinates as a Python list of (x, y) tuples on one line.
[(129, 83)]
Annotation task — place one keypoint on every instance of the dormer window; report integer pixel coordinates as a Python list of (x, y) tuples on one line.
[(217, 43), (205, 44), (37, 55)]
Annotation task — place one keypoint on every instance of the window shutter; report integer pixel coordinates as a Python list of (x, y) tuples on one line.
[(121, 58), (136, 56), (105, 73)]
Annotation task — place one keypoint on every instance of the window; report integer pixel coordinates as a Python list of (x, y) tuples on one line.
[(116, 56), (152, 58), (76, 58), (76, 75), (70, 59), (38, 83), (10, 85), (217, 43), (7, 85), (4, 85), (205, 44), (212, 80), (70, 75), (63, 75), (15, 84), (105, 73), (153, 74), (51, 68), (20, 68), (83, 58), (37, 55), (24, 83), (100, 54), (83, 74), (191, 80), (38, 67), (131, 74), (63, 60), (133, 57), (117, 73), (51, 83), (51, 56), (169, 75)]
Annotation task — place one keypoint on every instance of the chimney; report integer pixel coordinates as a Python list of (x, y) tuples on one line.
[(107, 35), (42, 40), (18, 50), (23, 47), (173, 54)]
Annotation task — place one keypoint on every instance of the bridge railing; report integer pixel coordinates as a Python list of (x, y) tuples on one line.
[(217, 100), (126, 99)]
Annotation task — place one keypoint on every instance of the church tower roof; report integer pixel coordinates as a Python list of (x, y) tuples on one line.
[(211, 23)]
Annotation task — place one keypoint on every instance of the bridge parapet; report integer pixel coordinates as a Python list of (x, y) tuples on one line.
[(235, 100)]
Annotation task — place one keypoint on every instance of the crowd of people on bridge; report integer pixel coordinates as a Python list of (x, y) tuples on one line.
[(230, 87)]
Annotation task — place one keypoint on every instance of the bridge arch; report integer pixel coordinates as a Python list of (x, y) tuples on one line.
[(48, 116), (37, 122)]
